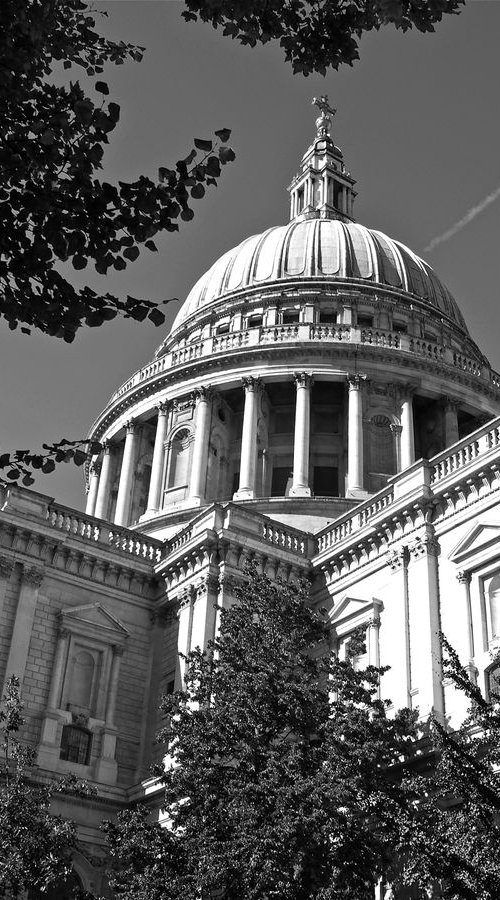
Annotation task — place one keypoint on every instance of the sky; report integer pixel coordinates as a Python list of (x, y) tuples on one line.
[(417, 120)]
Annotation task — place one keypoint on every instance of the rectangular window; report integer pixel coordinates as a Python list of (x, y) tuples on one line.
[(325, 421), (365, 321), (290, 316), (326, 481), (327, 317), (284, 421), (254, 321), (400, 327), (76, 744), (282, 478)]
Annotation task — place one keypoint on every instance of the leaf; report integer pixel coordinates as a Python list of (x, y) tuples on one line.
[(151, 246), (198, 191), (79, 262), (223, 134), (156, 317), (102, 87), (201, 144), (131, 253), (13, 474), (4, 460), (187, 215)]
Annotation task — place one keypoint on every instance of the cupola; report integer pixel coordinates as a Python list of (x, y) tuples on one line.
[(323, 188)]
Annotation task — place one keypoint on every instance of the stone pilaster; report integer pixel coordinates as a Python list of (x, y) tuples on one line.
[(425, 624), (102, 499), (355, 464), (32, 578), (408, 428)]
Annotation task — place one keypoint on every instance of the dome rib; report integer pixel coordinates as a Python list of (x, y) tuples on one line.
[(319, 248)]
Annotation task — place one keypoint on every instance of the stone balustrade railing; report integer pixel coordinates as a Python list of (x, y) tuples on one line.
[(99, 532), (300, 332), (287, 538), (465, 456)]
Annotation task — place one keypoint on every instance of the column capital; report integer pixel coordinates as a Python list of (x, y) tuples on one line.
[(107, 447), (398, 558), (204, 392), (252, 384), (6, 567), (303, 379), (163, 407), (95, 467), (33, 576), (355, 381), (449, 403), (406, 391), (396, 429), (425, 545), (131, 426), (464, 577), (118, 649)]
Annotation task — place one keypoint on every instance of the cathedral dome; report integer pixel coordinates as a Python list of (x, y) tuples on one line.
[(327, 249)]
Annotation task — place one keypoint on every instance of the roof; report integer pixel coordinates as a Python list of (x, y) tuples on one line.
[(321, 249)]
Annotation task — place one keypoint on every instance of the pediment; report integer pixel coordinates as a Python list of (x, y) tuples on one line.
[(483, 540), (94, 618), (349, 606)]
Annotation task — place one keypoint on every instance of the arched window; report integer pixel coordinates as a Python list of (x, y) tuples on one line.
[(178, 472), (494, 601)]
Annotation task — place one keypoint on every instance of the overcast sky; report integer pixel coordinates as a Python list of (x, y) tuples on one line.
[(418, 122)]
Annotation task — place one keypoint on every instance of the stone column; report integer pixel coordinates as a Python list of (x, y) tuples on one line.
[(102, 499), (355, 467), (125, 484), (373, 639), (465, 578), (450, 410), (95, 468), (54, 701), (199, 461), (425, 625), (155, 483), (300, 482), (23, 623), (408, 432), (396, 433), (248, 459)]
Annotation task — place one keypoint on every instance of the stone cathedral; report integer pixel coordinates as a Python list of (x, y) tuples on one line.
[(320, 408)]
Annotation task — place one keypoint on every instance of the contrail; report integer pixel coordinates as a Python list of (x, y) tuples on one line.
[(463, 222)]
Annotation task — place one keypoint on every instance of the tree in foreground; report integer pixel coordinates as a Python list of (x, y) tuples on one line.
[(53, 206), (35, 845), (450, 827), (280, 765), (316, 35)]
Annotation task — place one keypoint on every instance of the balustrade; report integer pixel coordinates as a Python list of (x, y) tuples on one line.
[(96, 531)]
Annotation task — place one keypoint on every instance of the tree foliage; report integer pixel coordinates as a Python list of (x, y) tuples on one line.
[(316, 34), (20, 464), (280, 763), (53, 207), (450, 827), (35, 845)]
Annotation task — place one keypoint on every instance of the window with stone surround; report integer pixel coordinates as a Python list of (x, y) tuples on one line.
[(76, 744)]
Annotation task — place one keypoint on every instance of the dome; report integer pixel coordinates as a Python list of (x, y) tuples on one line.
[(325, 249)]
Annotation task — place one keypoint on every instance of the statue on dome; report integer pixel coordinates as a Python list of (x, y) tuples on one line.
[(324, 121)]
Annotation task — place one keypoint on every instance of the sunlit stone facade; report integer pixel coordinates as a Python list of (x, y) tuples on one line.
[(318, 407)]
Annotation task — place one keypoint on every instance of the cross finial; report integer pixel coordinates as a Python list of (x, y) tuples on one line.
[(324, 120)]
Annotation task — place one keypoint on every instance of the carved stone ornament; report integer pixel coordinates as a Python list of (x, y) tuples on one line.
[(425, 545), (398, 558), (251, 384), (355, 381), (33, 576), (303, 379), (6, 566), (203, 393), (464, 577)]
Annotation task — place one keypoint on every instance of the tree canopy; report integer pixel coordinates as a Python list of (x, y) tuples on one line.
[(35, 844), (316, 35), (54, 209), (280, 758)]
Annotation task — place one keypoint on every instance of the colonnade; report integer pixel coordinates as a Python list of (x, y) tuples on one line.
[(101, 470)]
